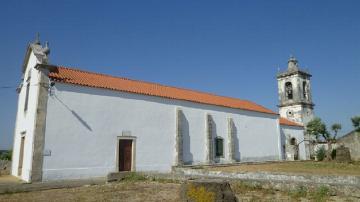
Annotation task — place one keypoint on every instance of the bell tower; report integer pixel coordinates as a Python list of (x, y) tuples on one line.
[(294, 91)]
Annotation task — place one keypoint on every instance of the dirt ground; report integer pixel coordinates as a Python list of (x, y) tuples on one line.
[(153, 191), (132, 191), (309, 167)]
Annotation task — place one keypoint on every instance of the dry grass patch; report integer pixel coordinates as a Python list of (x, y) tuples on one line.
[(308, 167), (127, 191)]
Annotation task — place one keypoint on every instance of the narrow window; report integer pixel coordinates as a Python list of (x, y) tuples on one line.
[(304, 90), (27, 97), (288, 90), (219, 147)]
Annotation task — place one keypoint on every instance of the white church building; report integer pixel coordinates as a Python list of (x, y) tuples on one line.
[(75, 124)]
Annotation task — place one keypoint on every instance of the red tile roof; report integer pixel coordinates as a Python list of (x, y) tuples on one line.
[(79, 77), (284, 121)]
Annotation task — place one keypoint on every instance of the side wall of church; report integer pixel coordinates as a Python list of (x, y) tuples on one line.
[(83, 124), (25, 121), (289, 132)]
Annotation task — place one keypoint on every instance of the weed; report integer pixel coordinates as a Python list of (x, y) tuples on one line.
[(300, 192), (200, 194), (134, 177), (321, 193)]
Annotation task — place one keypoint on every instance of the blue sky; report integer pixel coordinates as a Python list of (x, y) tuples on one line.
[(231, 48)]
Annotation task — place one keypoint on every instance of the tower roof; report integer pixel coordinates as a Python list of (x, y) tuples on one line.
[(293, 68)]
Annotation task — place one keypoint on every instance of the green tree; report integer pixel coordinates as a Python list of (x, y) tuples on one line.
[(335, 128), (6, 155), (356, 123), (318, 129)]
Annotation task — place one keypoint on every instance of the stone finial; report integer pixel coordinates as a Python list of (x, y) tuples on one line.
[(293, 64), (46, 49), (37, 39)]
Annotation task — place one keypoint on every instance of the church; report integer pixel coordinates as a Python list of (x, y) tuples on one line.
[(74, 124)]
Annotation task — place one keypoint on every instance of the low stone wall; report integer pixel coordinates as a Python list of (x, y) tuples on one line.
[(347, 185), (5, 167)]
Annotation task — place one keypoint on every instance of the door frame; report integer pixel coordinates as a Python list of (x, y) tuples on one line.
[(133, 149)]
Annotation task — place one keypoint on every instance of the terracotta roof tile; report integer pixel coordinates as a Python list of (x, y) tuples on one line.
[(284, 121), (79, 77)]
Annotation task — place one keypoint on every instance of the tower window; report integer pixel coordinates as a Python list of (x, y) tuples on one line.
[(305, 90), (289, 90), (293, 141), (219, 147)]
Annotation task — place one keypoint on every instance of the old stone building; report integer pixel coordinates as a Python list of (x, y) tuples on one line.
[(294, 89), (76, 124)]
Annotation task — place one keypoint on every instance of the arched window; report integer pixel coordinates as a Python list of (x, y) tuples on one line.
[(288, 90), (293, 141), (219, 147)]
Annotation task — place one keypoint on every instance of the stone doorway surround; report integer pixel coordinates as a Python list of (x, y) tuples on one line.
[(133, 151)]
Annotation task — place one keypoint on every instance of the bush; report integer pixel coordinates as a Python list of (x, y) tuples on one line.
[(320, 153), (6, 155)]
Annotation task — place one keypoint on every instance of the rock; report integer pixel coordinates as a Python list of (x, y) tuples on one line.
[(5, 167), (343, 154), (117, 176), (208, 190)]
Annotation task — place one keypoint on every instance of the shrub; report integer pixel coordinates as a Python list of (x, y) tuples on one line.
[(6, 155), (320, 153)]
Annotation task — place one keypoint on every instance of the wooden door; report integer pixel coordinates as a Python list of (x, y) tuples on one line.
[(125, 155), (21, 155)]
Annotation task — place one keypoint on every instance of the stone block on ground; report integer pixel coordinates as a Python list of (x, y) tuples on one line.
[(5, 167), (206, 190), (343, 154), (116, 176)]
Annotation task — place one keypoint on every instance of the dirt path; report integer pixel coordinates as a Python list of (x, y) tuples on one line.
[(153, 191), (137, 191)]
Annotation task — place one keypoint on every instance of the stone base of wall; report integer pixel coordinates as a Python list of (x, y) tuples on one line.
[(341, 185), (5, 167)]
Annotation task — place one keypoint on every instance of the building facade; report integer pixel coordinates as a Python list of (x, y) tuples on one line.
[(75, 124)]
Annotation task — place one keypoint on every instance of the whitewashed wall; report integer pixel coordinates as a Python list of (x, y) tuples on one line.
[(25, 121), (83, 124), (288, 132)]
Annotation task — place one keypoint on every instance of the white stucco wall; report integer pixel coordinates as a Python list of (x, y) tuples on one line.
[(25, 121), (82, 126), (288, 132)]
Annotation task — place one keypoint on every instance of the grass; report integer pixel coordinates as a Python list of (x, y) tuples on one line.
[(241, 187), (134, 177), (138, 177), (304, 167), (299, 192), (321, 194)]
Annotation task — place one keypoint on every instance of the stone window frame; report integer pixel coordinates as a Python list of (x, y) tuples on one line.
[(216, 139)]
